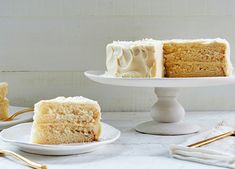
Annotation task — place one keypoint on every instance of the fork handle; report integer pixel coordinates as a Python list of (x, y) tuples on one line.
[(210, 140), (18, 113), (23, 159)]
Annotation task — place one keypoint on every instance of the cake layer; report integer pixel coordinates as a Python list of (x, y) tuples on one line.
[(194, 52), (4, 104), (67, 112), (63, 133), (194, 69), (134, 59), (197, 58), (3, 91)]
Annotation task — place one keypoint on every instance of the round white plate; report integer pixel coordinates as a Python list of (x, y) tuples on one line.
[(99, 76), (26, 117), (19, 136)]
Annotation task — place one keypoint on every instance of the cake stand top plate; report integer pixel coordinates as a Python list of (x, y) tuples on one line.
[(100, 77)]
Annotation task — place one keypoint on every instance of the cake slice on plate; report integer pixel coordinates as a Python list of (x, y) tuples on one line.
[(66, 120), (4, 103)]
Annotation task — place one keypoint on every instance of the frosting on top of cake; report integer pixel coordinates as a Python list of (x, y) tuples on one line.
[(205, 41), (135, 43), (76, 99), (3, 84)]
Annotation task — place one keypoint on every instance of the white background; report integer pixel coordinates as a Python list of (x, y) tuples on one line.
[(46, 45)]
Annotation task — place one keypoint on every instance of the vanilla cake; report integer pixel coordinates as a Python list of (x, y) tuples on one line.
[(66, 120), (4, 103), (197, 58), (134, 59), (169, 58)]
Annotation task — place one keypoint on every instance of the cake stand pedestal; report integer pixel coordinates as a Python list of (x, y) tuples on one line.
[(167, 113)]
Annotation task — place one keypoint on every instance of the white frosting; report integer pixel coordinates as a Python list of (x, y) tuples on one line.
[(76, 99), (203, 41), (129, 44), (159, 59), (227, 55), (134, 59)]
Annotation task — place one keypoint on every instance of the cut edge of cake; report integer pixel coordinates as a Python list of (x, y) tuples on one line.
[(229, 66)]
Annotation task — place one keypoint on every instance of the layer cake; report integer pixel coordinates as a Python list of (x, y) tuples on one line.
[(169, 58), (66, 120)]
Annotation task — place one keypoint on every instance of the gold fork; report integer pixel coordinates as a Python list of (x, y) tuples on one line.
[(18, 113), (23, 159), (212, 139)]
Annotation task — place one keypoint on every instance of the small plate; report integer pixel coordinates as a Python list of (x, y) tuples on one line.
[(19, 136), (26, 117)]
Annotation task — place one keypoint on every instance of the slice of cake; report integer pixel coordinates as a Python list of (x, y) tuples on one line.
[(197, 58), (134, 59), (4, 103), (66, 120)]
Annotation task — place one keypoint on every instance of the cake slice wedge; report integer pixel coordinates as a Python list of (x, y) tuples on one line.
[(4, 103), (66, 120)]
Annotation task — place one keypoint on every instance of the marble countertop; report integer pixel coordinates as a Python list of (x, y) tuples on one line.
[(133, 150)]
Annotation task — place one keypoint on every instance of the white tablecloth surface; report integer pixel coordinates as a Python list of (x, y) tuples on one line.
[(133, 150)]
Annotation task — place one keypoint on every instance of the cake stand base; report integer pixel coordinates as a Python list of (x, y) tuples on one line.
[(168, 115), (153, 127)]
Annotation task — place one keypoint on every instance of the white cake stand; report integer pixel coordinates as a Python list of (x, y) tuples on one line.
[(167, 113)]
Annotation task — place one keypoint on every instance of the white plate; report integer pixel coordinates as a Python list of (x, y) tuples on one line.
[(100, 77), (26, 117), (19, 136)]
